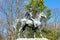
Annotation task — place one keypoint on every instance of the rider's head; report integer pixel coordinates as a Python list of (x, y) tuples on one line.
[(30, 9)]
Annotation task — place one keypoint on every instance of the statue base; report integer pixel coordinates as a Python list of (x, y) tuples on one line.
[(31, 39)]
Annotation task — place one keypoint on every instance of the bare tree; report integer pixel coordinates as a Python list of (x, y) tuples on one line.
[(0, 20), (11, 10), (55, 15), (1, 37)]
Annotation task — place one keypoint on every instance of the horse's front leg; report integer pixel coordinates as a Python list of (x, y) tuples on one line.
[(34, 33), (40, 31)]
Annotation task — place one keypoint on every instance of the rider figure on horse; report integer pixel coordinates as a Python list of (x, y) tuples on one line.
[(29, 14)]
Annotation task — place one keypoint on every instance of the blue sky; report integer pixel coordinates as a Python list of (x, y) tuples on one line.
[(52, 4)]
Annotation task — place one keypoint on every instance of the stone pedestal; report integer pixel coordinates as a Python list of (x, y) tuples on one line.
[(32, 39)]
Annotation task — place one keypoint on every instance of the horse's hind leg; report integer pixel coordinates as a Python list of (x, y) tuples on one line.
[(20, 30), (23, 28)]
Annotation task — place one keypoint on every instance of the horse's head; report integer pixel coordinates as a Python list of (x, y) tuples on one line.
[(41, 16)]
